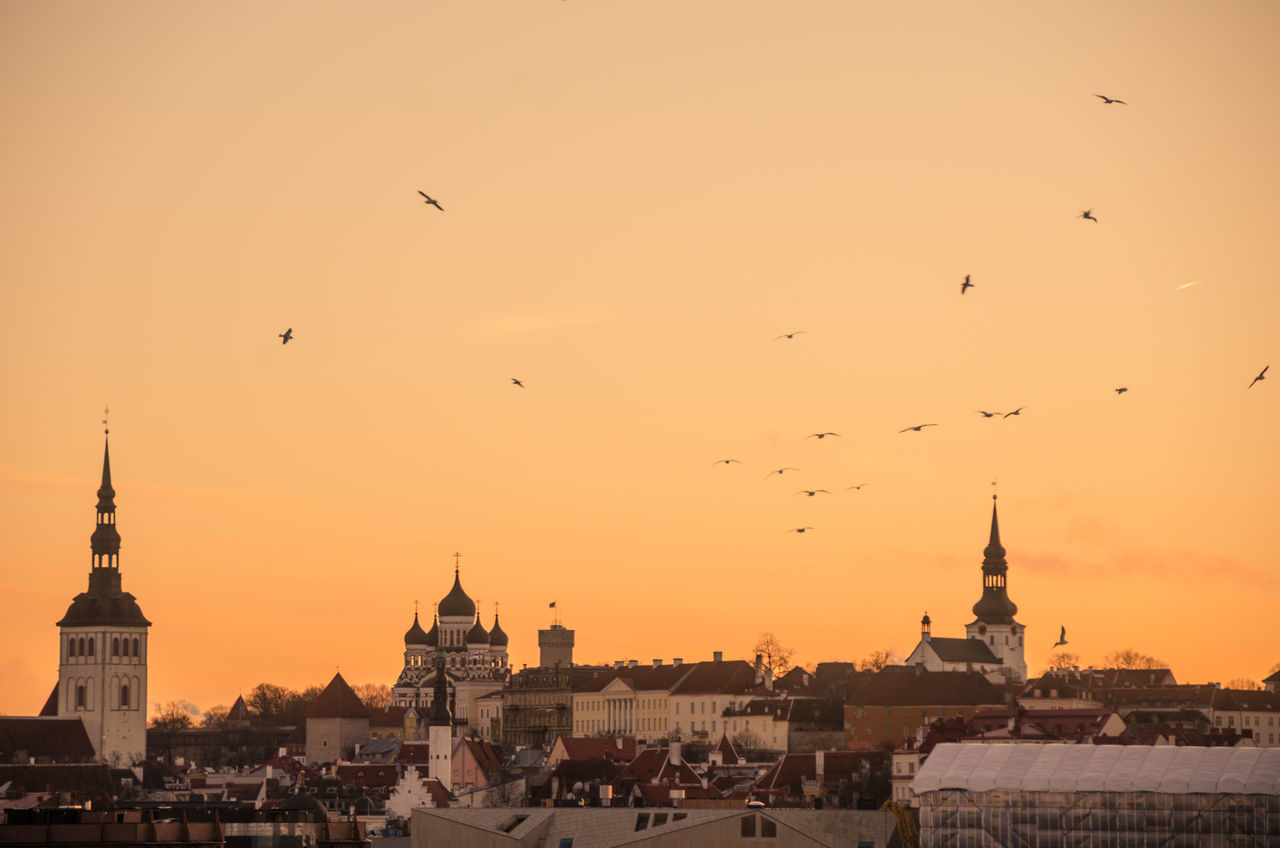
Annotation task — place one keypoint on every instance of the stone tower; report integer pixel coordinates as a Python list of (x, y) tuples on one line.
[(994, 623), (440, 734), (555, 647), (102, 665)]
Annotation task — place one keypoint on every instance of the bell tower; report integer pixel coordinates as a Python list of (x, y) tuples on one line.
[(994, 624)]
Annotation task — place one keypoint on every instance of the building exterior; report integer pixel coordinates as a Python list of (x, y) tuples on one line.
[(337, 721), (555, 647), (475, 659), (890, 707), (102, 656), (440, 729), (994, 640)]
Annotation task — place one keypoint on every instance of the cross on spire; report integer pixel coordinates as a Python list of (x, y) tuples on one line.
[(106, 413), (456, 557)]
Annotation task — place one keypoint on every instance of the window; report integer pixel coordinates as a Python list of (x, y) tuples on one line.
[(71, 647), (911, 768), (90, 646), (82, 653), (124, 697), (768, 827), (748, 826), (115, 647), (642, 821), (80, 697)]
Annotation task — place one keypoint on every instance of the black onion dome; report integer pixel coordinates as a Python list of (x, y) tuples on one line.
[(477, 635), (433, 635), (497, 638), (415, 635), (456, 604)]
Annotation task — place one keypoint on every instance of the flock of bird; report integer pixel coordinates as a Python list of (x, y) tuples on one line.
[(965, 285)]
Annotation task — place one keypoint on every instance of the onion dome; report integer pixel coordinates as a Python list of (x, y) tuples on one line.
[(497, 639), (415, 635), (433, 635), (456, 604), (477, 635), (994, 607)]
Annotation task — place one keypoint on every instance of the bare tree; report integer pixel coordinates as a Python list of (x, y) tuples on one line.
[(1129, 658), (1063, 660), (1244, 683), (775, 656), (375, 696), (875, 661), (172, 716), (215, 716)]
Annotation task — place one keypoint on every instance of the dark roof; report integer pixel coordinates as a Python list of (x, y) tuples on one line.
[(732, 676), (337, 700), (598, 747), (50, 707), (787, 775), (415, 635), (304, 803), (497, 636), (90, 781), (239, 710), (477, 635), (45, 737), (728, 755), (457, 604), (640, 678), (913, 686), (962, 650), (1273, 678), (104, 603)]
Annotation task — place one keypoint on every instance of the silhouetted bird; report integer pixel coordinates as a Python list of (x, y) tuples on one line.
[(966, 284), (1088, 215), (517, 382), (821, 435), (434, 203), (1106, 100), (1017, 411), (858, 487), (727, 461), (779, 471), (789, 335), (1261, 376), (799, 529), (986, 414), (286, 335), (1062, 638), (812, 492), (1122, 390), (918, 427)]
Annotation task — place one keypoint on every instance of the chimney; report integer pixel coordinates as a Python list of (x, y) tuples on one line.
[(768, 678), (673, 755), (676, 660), (759, 666), (657, 662), (617, 663), (632, 663), (717, 656)]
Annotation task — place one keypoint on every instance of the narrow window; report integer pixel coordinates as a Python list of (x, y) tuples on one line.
[(82, 646), (124, 697), (135, 648), (748, 826), (90, 646), (71, 647), (115, 646), (80, 697), (768, 827)]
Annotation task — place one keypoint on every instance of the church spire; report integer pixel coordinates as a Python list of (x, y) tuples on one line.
[(105, 541), (994, 607)]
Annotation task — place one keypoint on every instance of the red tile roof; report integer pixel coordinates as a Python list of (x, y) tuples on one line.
[(621, 748), (912, 686), (641, 678)]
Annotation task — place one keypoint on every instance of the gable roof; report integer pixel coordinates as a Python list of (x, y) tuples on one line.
[(913, 686), (597, 747), (728, 677), (961, 650), (640, 678), (50, 707), (45, 737), (338, 700)]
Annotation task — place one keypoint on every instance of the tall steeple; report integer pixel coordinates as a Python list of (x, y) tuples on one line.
[(105, 540), (994, 607)]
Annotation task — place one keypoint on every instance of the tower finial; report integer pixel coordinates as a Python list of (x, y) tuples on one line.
[(456, 564), (106, 413)]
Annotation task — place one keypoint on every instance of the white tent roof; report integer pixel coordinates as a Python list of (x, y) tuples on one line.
[(982, 767)]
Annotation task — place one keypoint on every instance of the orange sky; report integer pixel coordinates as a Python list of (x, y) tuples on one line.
[(638, 198)]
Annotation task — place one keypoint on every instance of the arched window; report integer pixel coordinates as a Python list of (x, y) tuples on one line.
[(115, 646), (91, 646), (82, 646), (80, 697), (124, 697), (135, 648), (71, 647)]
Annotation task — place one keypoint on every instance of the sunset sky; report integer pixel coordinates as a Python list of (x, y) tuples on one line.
[(638, 198)]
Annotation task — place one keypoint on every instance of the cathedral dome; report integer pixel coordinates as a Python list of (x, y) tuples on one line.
[(415, 634), (497, 638), (477, 635), (457, 604), (433, 635)]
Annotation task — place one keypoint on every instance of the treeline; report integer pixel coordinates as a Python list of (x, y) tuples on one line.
[(268, 704)]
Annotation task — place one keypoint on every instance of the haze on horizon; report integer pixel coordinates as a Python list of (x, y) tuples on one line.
[(638, 199)]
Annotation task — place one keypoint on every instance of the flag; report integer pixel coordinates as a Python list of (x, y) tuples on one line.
[(551, 605)]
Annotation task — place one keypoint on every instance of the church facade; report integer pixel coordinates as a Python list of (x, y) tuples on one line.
[(473, 660), (102, 652), (994, 641)]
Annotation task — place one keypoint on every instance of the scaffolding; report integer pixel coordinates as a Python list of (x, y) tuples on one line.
[(1087, 796)]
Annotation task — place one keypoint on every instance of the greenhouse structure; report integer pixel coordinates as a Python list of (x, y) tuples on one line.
[(1089, 796)]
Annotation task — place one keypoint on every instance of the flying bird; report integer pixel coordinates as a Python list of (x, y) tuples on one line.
[(1062, 638), (431, 201), (986, 414), (517, 382), (812, 492), (726, 461), (821, 435), (966, 284), (1106, 100), (1017, 411), (799, 529), (286, 335), (1261, 376), (917, 428), (1122, 390), (789, 335), (858, 487), (779, 471), (1088, 215)]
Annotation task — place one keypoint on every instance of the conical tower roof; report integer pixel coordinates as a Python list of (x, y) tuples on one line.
[(994, 607), (338, 700)]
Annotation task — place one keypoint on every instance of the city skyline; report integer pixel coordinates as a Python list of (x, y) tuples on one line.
[(691, 233)]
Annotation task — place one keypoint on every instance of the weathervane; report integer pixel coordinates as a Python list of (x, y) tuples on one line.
[(106, 413), (993, 490)]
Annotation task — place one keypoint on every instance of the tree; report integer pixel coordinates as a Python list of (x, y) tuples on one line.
[(172, 716), (1129, 658), (1063, 660), (270, 702), (1244, 683), (875, 661), (215, 716), (375, 696), (747, 740), (776, 657)]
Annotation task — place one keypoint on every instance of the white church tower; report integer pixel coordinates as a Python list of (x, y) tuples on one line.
[(440, 732), (102, 667), (994, 624)]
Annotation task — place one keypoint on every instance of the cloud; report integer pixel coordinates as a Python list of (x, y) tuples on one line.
[(502, 326), (1180, 565)]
